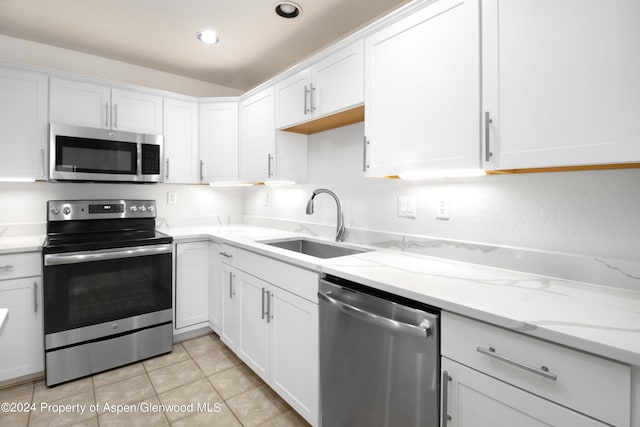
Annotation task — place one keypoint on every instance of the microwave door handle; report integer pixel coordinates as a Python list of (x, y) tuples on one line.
[(106, 254)]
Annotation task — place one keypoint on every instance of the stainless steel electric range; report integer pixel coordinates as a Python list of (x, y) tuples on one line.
[(107, 286)]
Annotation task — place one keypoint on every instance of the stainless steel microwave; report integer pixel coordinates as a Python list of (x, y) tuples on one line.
[(88, 154)]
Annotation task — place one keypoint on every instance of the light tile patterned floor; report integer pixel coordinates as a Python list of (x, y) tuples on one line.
[(201, 371)]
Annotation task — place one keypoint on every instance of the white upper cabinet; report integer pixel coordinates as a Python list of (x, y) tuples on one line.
[(331, 85), (219, 141), (422, 91), (23, 124), (181, 142), (257, 144), (83, 104), (560, 82)]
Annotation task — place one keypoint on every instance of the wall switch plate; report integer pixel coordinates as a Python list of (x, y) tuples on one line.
[(407, 207), (442, 209), (172, 198)]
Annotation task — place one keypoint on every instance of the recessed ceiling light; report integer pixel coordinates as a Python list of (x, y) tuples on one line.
[(288, 9), (208, 37)]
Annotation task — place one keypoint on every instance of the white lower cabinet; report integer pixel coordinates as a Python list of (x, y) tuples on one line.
[(478, 400), (230, 307), (254, 323), (21, 338), (192, 284), (500, 377)]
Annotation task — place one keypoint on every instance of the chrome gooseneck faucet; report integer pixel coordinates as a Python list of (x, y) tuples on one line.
[(340, 225)]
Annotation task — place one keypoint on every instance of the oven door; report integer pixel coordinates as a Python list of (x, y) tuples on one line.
[(92, 294)]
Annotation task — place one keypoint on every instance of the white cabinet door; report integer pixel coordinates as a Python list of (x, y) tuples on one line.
[(257, 137), (136, 112), (219, 141), (216, 280), (85, 104), (333, 84), (80, 104), (254, 323), (192, 284), (230, 308), (294, 352), (560, 82), (474, 399), (338, 81), (294, 97), (22, 337), (422, 91), (181, 142), (23, 124)]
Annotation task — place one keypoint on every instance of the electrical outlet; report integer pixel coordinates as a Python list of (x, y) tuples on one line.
[(407, 207), (172, 198), (442, 209), (265, 199)]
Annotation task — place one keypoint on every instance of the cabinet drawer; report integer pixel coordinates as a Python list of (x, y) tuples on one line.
[(298, 281), (228, 254), (20, 265), (589, 384)]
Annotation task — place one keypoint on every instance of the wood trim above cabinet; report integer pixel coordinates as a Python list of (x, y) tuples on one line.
[(566, 168), (343, 118)]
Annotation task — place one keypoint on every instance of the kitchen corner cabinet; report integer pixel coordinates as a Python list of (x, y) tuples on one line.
[(23, 124), (84, 104), (422, 91), (219, 141), (333, 84), (181, 142), (227, 277), (22, 337), (560, 83), (257, 137), (192, 284), (494, 376)]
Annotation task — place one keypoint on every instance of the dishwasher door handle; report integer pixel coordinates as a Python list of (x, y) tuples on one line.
[(421, 331)]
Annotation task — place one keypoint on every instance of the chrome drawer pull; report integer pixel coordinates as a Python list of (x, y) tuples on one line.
[(6, 267), (543, 371), (226, 255)]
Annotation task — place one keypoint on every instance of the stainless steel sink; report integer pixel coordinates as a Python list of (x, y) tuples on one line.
[(314, 248)]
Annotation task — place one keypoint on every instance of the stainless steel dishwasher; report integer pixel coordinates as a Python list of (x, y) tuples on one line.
[(379, 358)]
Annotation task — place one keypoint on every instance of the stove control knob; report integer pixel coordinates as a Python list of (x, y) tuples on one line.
[(133, 208), (66, 210), (150, 208), (143, 208), (55, 210)]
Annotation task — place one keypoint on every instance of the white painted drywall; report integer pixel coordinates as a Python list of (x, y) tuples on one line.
[(593, 212), (24, 52)]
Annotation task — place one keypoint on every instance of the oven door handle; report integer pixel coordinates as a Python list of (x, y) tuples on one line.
[(106, 254)]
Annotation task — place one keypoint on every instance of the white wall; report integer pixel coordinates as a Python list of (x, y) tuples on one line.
[(18, 51), (592, 213), (25, 203)]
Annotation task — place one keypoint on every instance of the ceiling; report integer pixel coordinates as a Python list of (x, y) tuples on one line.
[(255, 44)]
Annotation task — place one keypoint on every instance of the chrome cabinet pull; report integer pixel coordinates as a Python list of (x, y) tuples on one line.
[(444, 417), (306, 100), (262, 307), (269, 316), (201, 171), (166, 174), (35, 297), (365, 166), (115, 116), (226, 255), (42, 163), (269, 159), (6, 267), (543, 371), (312, 98), (230, 285), (487, 136), (106, 115)]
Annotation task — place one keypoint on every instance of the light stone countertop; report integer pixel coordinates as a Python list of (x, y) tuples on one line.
[(17, 244), (601, 320)]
